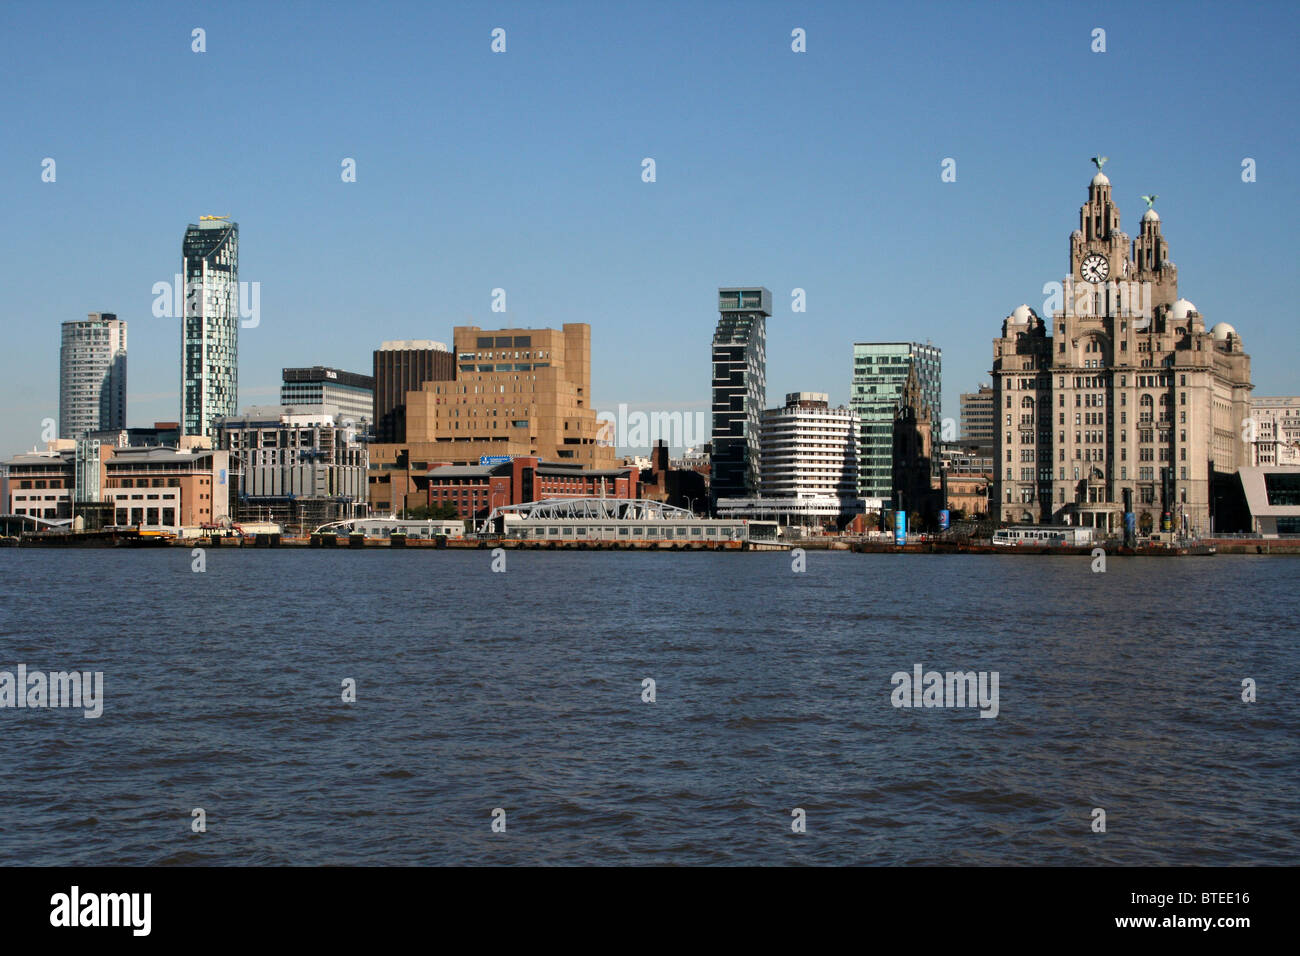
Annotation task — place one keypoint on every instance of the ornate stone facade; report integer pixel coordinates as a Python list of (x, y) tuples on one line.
[(1123, 401)]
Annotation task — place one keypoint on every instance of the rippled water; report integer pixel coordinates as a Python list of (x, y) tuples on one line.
[(522, 690)]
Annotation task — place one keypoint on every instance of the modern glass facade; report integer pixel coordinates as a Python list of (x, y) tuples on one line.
[(210, 325), (739, 390), (879, 372)]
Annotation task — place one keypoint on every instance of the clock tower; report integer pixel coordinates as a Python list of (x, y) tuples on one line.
[(1120, 404), (1099, 253)]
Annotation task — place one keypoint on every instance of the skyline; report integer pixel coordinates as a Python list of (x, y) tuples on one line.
[(534, 183)]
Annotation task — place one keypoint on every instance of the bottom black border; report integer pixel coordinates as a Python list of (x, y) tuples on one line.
[(955, 904)]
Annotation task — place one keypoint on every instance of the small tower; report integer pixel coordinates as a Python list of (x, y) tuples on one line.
[(1151, 258)]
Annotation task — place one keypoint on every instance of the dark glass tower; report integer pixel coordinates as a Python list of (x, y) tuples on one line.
[(739, 390), (210, 325)]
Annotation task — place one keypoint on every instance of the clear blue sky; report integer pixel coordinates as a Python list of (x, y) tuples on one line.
[(522, 170)]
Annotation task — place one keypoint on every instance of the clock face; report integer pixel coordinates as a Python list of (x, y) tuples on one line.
[(1095, 268)]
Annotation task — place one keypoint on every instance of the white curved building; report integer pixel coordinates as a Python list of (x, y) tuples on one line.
[(809, 465), (809, 449), (92, 375)]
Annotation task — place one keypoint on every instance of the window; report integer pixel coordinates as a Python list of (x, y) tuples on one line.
[(1281, 488)]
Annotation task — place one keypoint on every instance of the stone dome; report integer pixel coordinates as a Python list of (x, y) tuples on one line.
[(1100, 179), (1182, 308), (1151, 216), (1221, 331), (1021, 314)]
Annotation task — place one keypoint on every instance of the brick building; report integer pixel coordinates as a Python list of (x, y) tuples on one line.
[(475, 490)]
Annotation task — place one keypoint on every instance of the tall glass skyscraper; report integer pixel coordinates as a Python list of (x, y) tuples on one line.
[(92, 375), (739, 390), (879, 372), (210, 326)]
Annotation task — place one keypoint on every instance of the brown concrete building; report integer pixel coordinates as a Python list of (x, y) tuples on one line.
[(400, 367), (1122, 401), (517, 392)]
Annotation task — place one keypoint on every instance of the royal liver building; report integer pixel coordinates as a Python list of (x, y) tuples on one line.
[(1123, 401)]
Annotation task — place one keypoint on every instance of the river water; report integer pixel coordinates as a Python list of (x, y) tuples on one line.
[(523, 690)]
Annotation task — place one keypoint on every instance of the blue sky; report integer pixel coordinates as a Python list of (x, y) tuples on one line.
[(522, 171)]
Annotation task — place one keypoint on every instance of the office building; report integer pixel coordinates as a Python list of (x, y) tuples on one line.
[(163, 489), (1271, 498), (299, 466), (516, 392), (39, 484), (808, 466), (1274, 436), (157, 489), (809, 450), (1123, 401), (977, 416), (739, 390), (92, 375), (210, 325), (880, 370), (351, 395), (400, 367)]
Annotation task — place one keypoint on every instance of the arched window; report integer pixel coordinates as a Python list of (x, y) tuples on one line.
[(1146, 401), (1027, 402)]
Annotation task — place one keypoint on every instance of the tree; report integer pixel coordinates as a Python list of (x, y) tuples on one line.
[(443, 511)]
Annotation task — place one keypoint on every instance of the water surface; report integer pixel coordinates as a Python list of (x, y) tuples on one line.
[(522, 690)]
